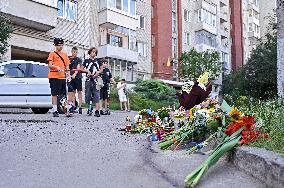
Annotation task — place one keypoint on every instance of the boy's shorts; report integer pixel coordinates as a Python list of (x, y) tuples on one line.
[(91, 93), (105, 92), (57, 86), (75, 84)]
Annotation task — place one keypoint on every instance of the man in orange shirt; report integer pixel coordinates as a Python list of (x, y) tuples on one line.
[(58, 63)]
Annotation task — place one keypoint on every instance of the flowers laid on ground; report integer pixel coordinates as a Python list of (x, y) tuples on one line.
[(199, 125)]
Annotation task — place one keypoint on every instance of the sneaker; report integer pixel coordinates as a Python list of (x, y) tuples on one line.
[(102, 112), (97, 113), (55, 114), (80, 110), (89, 112), (107, 112)]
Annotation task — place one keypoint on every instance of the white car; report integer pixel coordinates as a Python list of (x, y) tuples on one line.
[(24, 84)]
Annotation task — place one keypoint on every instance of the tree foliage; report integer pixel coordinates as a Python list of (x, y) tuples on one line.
[(257, 78), (5, 33), (194, 63), (155, 90)]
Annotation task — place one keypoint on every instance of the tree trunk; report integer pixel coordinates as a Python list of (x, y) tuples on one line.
[(280, 48)]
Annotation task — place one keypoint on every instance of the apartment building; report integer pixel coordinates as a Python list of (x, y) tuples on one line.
[(252, 17), (179, 25), (37, 22), (120, 29), (205, 26)]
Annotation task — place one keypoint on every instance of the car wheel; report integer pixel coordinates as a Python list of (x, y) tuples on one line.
[(40, 110)]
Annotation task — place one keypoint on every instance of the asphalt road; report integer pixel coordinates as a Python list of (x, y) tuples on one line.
[(82, 151)]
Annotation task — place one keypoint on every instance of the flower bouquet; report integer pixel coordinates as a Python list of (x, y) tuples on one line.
[(241, 130)]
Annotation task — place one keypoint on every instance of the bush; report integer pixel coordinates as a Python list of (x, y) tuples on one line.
[(154, 90), (147, 94)]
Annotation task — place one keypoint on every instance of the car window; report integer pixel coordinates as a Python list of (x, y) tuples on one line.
[(15, 70), (37, 71)]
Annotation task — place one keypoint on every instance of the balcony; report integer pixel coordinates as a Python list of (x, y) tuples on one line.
[(117, 17), (253, 34), (201, 4), (223, 3), (203, 26), (253, 20), (253, 7), (117, 53), (224, 32), (223, 17), (204, 47), (32, 14)]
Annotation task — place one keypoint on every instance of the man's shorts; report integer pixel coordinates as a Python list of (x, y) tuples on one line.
[(75, 84), (122, 98), (91, 93), (105, 92), (57, 86)]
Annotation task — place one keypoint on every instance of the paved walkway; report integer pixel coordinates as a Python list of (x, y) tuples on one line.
[(81, 151)]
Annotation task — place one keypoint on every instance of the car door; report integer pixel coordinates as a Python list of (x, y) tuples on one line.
[(38, 86), (13, 85)]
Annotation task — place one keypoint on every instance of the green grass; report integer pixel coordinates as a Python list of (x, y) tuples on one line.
[(270, 116)]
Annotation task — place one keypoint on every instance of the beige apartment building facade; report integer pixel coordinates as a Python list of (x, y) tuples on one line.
[(206, 26), (113, 26), (257, 18)]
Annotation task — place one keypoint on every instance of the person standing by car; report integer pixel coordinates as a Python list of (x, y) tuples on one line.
[(92, 91), (58, 63), (76, 82), (105, 90)]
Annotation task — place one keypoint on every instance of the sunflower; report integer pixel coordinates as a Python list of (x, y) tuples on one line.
[(235, 113)]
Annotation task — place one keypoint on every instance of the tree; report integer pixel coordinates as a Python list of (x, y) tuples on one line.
[(5, 34), (258, 78), (194, 64)]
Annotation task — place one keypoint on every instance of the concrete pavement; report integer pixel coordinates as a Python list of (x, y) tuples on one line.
[(82, 151)]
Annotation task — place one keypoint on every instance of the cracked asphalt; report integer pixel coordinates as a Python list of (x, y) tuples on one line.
[(38, 150)]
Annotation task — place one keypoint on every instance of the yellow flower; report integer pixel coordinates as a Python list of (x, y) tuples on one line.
[(235, 113), (191, 113), (211, 110), (203, 79)]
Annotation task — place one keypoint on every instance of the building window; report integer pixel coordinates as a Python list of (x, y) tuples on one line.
[(118, 4), (174, 48), (133, 7), (152, 12), (207, 17), (186, 38), (114, 40), (125, 5), (67, 9), (186, 15), (142, 22), (204, 37), (60, 8), (173, 22), (153, 41), (141, 49), (132, 40), (250, 27), (111, 3)]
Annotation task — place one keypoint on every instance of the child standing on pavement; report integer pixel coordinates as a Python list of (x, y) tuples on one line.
[(121, 87), (76, 82), (94, 69), (58, 64), (105, 90)]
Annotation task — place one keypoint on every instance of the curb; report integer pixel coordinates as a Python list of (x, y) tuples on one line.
[(266, 166)]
